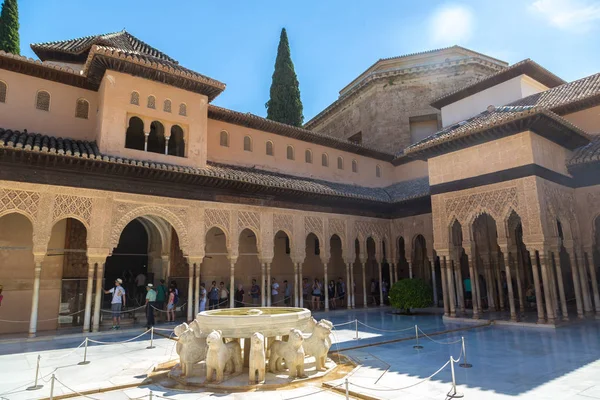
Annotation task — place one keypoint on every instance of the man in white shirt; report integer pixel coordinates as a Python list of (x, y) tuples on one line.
[(140, 283), (117, 302), (274, 291)]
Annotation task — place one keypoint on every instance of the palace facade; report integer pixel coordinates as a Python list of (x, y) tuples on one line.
[(441, 165)]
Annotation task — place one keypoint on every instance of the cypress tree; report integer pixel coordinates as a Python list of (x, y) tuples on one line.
[(9, 27), (284, 104)]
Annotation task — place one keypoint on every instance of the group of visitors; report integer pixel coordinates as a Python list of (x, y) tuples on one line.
[(314, 294), (378, 297)]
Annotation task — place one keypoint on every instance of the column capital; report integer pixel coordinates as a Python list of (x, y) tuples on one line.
[(442, 252), (266, 260), (195, 259)]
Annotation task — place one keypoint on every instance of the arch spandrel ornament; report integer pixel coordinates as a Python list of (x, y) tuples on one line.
[(24, 202), (70, 206), (496, 202), (285, 223), (129, 212), (216, 217), (314, 225)]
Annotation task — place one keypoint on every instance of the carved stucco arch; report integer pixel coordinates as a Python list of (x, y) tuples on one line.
[(27, 215), (256, 235), (144, 211), (222, 229)]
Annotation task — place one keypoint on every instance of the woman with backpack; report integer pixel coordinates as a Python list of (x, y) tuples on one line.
[(171, 306), (316, 294)]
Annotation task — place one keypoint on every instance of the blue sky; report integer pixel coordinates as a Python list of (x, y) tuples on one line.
[(331, 41)]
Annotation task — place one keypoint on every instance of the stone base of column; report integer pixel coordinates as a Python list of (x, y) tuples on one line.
[(541, 321), (551, 321), (31, 335)]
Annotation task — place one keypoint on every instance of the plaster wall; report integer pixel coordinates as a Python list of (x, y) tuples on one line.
[(115, 95), (588, 119), (549, 154), (411, 170), (19, 111), (501, 94), (235, 155)]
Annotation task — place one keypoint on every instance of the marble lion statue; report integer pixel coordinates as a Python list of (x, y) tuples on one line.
[(257, 359), (291, 352), (191, 347), (318, 344), (312, 323), (222, 356)]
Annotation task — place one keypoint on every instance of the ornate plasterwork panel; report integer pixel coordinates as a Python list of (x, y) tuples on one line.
[(249, 219), (283, 222), (337, 226), (22, 200), (73, 206), (217, 217), (495, 202), (313, 225), (560, 203), (365, 229)]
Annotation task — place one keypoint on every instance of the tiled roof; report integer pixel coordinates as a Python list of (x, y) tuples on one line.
[(587, 154), (121, 40), (400, 192), (525, 67), (495, 117), (256, 122)]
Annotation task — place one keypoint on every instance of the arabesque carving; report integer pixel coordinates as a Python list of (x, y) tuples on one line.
[(72, 206), (283, 222), (496, 202), (248, 219), (337, 226), (22, 200), (217, 217), (313, 225)]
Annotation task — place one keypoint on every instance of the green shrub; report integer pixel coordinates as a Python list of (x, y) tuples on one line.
[(411, 293)]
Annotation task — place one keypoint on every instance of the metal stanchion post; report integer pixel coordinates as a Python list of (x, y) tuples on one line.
[(346, 381), (85, 361), (464, 350), (150, 396), (356, 324), (52, 387), (454, 394), (151, 338), (417, 346), (37, 371)]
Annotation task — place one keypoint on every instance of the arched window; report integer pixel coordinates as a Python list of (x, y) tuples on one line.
[(290, 153), (156, 139), (325, 160), (135, 98), (176, 142), (134, 137), (340, 163), (378, 171), (82, 109), (151, 102), (182, 109), (308, 157), (269, 148), (224, 139), (247, 143), (42, 101), (354, 166), (167, 106), (3, 89)]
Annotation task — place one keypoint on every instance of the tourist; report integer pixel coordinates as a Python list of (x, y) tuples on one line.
[(117, 302), (274, 291), (255, 293), (150, 304), (306, 292), (530, 296), (202, 297), (287, 293), (140, 283), (468, 291), (239, 296), (316, 294), (504, 286), (331, 294), (161, 295), (374, 291), (213, 296), (224, 295), (384, 291), (171, 306), (341, 291)]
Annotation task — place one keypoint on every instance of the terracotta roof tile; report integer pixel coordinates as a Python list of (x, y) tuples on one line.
[(587, 154)]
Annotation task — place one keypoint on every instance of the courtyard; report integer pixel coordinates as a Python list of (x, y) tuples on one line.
[(508, 362)]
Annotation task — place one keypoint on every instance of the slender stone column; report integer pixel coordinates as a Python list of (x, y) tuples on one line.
[(300, 285), (451, 292), (296, 300), (190, 305), (326, 286), (538, 288), (352, 286), (364, 282), (433, 282), (561, 287), (496, 272), (474, 289), (585, 287), (552, 279), (476, 284), (410, 271), (167, 145), (89, 292), (547, 287), (511, 297), (397, 271), (348, 287), (519, 269), (99, 294), (197, 266), (446, 300), (380, 265), (232, 283), (588, 253), (263, 289), (577, 287), (489, 282), (37, 272), (391, 271), (459, 285), (146, 135), (166, 268), (268, 285)]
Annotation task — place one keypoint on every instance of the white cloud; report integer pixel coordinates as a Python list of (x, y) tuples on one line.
[(569, 15), (451, 24)]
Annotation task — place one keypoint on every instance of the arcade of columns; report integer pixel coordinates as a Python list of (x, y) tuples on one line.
[(105, 215), (515, 235)]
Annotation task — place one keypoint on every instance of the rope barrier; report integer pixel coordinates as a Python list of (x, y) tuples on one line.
[(120, 342), (65, 355), (75, 391), (175, 309), (405, 387), (310, 394), (124, 311), (385, 330), (438, 342), (344, 323), (41, 320)]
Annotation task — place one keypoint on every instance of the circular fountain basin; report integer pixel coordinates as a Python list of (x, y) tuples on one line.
[(243, 322)]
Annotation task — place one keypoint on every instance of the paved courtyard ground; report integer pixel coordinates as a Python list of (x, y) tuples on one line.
[(508, 362)]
